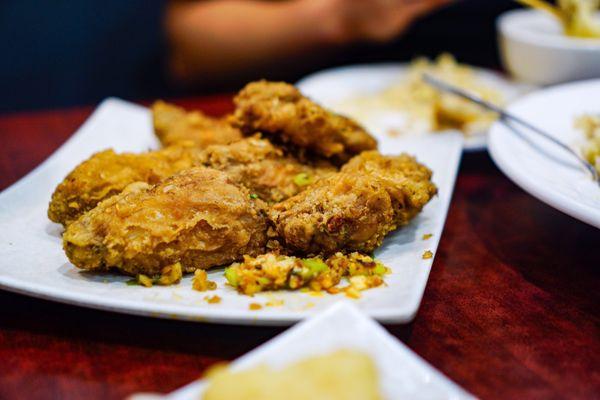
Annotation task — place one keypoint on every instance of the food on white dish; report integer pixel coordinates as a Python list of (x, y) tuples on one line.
[(313, 192), (344, 374), (275, 272), (536, 50), (424, 108), (577, 17)]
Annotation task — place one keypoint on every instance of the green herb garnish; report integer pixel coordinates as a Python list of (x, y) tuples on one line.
[(303, 179)]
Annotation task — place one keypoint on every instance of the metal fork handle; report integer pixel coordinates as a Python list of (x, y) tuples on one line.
[(504, 115)]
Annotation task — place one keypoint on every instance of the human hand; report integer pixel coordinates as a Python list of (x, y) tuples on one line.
[(345, 21)]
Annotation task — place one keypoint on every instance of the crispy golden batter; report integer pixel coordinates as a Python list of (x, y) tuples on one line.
[(107, 173), (348, 211), (264, 168), (198, 218), (254, 162), (407, 181), (174, 125), (354, 209), (280, 110)]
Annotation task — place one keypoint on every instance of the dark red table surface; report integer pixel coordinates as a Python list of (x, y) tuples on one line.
[(511, 309)]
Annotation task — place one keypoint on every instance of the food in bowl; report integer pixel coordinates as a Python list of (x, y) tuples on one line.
[(535, 49), (576, 16), (344, 374)]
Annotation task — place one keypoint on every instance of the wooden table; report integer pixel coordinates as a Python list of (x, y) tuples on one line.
[(511, 310)]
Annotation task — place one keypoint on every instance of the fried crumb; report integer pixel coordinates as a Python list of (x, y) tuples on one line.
[(255, 306), (351, 292), (427, 255), (201, 283), (144, 280), (333, 290), (274, 303), (170, 275), (212, 299), (427, 236)]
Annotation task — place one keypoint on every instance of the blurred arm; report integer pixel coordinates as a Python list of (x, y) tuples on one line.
[(218, 38)]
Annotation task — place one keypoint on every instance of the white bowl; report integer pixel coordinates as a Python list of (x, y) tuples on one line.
[(535, 50)]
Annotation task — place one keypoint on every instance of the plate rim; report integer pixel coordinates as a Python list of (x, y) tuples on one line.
[(480, 143), (343, 309), (555, 200)]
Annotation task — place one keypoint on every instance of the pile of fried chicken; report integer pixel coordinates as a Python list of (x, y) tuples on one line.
[(280, 175)]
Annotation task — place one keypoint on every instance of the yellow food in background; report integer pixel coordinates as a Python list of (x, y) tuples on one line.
[(342, 375), (590, 126), (426, 108), (577, 17)]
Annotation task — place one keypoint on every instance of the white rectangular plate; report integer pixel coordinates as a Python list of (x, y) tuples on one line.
[(32, 260), (402, 373)]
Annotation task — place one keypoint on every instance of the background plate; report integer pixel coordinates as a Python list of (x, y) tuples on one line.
[(540, 167), (332, 86), (33, 261)]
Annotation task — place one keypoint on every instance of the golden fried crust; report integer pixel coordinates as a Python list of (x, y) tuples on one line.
[(280, 110), (354, 209), (198, 218), (107, 173), (264, 169), (407, 181), (346, 211), (253, 162), (174, 125)]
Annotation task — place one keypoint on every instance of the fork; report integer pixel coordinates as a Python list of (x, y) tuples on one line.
[(505, 117)]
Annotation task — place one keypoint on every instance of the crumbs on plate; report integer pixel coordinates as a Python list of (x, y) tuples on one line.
[(276, 272), (201, 283), (212, 299)]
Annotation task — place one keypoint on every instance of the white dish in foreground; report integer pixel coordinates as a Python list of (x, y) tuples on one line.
[(34, 263), (540, 167), (402, 373), (333, 86)]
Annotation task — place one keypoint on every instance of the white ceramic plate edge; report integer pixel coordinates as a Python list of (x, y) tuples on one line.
[(340, 311), (526, 182)]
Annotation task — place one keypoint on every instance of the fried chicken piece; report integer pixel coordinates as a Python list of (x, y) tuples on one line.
[(265, 169), (354, 209), (197, 218), (174, 125), (279, 109), (107, 173), (407, 181), (254, 162)]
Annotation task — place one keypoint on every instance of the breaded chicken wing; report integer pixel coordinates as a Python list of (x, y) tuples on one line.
[(280, 110), (354, 209), (174, 125), (407, 181), (197, 218), (253, 162), (107, 173), (265, 169)]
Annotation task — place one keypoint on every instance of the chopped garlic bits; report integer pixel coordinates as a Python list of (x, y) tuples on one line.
[(275, 272)]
